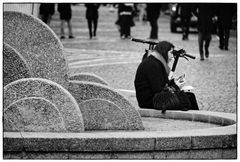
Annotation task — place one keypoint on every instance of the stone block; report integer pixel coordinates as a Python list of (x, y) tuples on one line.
[(199, 142), (173, 143), (46, 155), (133, 155), (14, 143), (51, 91), (89, 77), (99, 114), (38, 44), (171, 155), (206, 154), (82, 91), (33, 114), (12, 155), (89, 156), (229, 153), (14, 65)]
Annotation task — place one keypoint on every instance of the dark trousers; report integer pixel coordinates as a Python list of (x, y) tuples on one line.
[(192, 98), (185, 26), (125, 25), (95, 23), (154, 29), (223, 37), (204, 38)]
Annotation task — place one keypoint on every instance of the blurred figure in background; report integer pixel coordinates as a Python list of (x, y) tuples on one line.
[(92, 18), (185, 15), (65, 15), (142, 12), (205, 13), (153, 13), (125, 21), (225, 12), (46, 10)]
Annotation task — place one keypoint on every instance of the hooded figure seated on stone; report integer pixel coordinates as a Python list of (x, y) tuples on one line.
[(153, 88)]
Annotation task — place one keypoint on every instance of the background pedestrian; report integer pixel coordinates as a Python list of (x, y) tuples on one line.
[(153, 13), (205, 13), (92, 18), (225, 12), (46, 10), (185, 15), (65, 15)]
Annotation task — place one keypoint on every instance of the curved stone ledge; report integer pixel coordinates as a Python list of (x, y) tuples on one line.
[(82, 91), (210, 143), (38, 44), (51, 91), (89, 77)]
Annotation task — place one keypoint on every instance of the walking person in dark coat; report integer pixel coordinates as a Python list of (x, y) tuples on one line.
[(92, 18), (125, 20), (185, 15), (152, 76), (65, 15), (46, 10), (225, 12), (205, 13), (153, 13)]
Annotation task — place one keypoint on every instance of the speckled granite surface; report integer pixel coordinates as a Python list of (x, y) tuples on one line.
[(51, 91), (100, 114), (14, 65), (82, 91), (38, 45), (33, 114)]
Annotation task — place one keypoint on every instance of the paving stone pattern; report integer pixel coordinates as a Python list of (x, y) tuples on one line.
[(116, 60)]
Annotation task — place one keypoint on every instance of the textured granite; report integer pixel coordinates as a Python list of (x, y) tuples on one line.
[(38, 45), (82, 91), (99, 114), (90, 77), (14, 65), (51, 91), (33, 114)]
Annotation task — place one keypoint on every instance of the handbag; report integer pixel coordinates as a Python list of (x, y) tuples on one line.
[(171, 99)]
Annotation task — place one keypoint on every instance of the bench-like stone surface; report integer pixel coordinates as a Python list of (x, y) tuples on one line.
[(82, 91), (33, 114), (100, 114), (14, 65), (51, 91), (38, 45), (90, 77)]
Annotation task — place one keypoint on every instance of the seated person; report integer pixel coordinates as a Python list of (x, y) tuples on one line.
[(152, 76)]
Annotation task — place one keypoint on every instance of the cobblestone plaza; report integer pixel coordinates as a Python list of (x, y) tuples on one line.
[(116, 60)]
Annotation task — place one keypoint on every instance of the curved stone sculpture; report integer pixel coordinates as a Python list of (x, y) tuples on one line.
[(33, 114), (89, 77), (14, 65), (51, 91), (82, 91), (100, 114), (38, 45)]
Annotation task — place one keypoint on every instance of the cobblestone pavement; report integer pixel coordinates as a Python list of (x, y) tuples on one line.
[(116, 60)]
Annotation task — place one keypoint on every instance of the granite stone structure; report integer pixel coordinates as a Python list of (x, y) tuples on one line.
[(14, 65)]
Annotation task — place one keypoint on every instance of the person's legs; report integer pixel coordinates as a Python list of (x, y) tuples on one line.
[(62, 29), (221, 36), (207, 38), (226, 33), (70, 34), (154, 29), (95, 23), (90, 28), (200, 45)]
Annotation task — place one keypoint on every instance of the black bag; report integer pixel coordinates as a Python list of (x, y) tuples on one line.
[(169, 99)]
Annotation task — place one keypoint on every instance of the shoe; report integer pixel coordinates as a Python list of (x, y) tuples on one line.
[(201, 58), (221, 47), (71, 37), (226, 48), (206, 53), (62, 37)]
